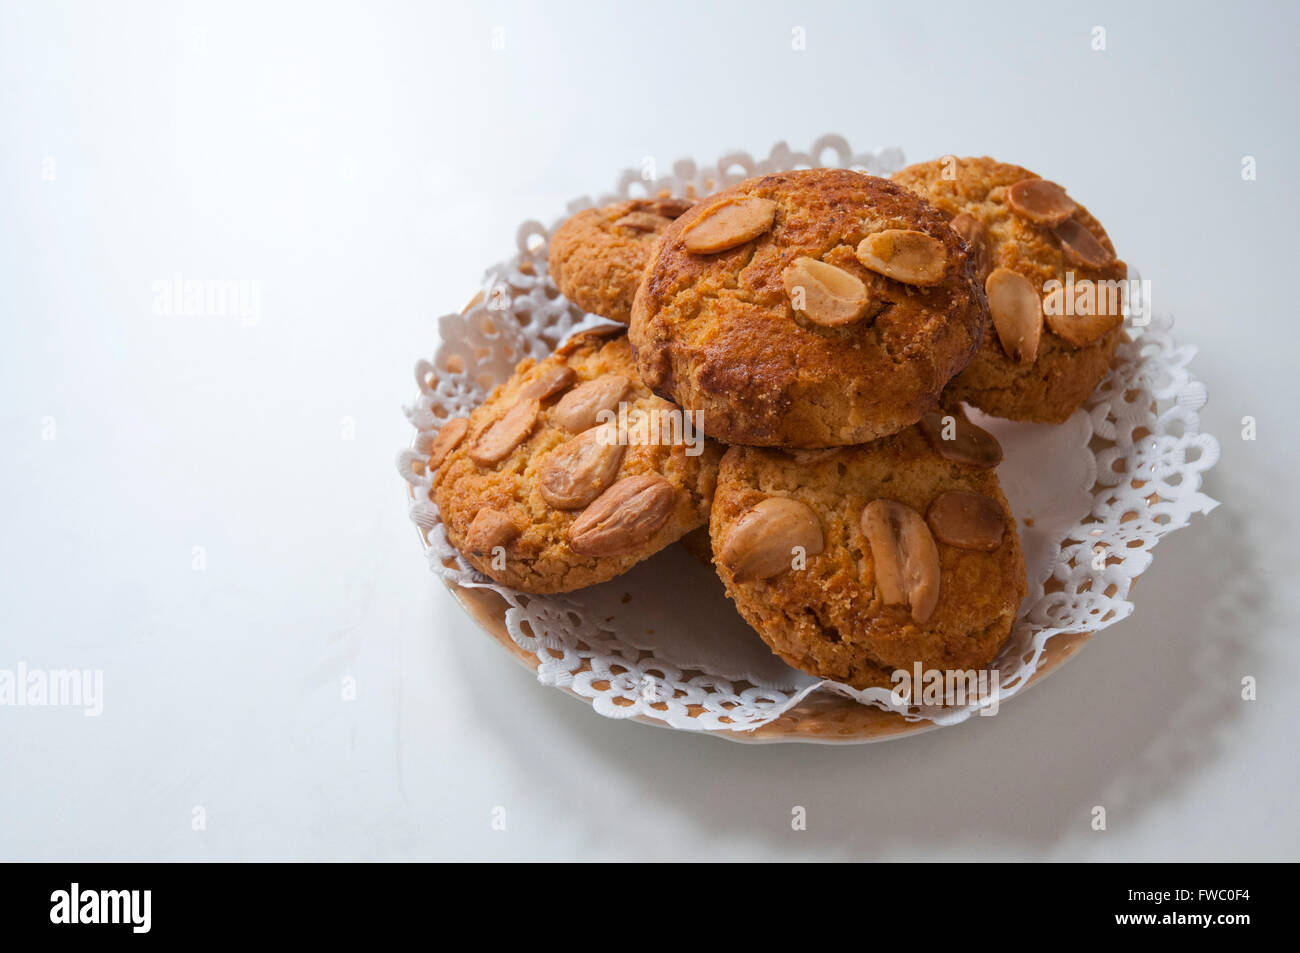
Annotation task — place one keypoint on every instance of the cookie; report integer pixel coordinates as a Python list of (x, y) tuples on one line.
[(811, 308), (597, 256), (571, 472), (1044, 259), (855, 562)]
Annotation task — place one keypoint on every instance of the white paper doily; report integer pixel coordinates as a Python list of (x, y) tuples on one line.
[(1092, 496)]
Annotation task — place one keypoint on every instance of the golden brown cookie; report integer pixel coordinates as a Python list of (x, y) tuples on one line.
[(597, 256), (571, 472), (852, 563), (811, 308), (1038, 362)]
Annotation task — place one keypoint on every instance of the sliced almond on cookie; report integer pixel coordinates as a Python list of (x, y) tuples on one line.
[(624, 517), (730, 223), (905, 557), (1017, 313), (967, 520), (448, 439), (972, 230), (1040, 201), (824, 294), (490, 529), (668, 207), (506, 433), (644, 221), (957, 439), (1081, 246), (761, 542), (1097, 309), (579, 470), (549, 383), (911, 257), (579, 409)]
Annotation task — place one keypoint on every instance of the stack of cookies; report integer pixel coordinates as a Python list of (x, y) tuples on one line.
[(796, 355)]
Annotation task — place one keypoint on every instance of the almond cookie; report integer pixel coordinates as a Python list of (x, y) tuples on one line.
[(1051, 275), (852, 563), (571, 472), (597, 256), (812, 308)]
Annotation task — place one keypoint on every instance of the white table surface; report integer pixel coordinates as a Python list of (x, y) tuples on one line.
[(362, 164)]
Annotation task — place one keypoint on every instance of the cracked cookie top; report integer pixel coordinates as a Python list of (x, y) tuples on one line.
[(812, 308), (596, 257), (571, 472), (1035, 247), (855, 562)]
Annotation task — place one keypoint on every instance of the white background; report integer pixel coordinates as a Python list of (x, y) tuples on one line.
[(364, 164)]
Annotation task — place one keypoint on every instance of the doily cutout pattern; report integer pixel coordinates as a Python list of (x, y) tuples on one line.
[(1143, 438)]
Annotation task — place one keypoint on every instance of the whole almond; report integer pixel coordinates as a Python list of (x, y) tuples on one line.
[(972, 229), (728, 224), (549, 383), (1040, 201), (1096, 312), (449, 437), (578, 409), (624, 517), (761, 542), (506, 433), (1081, 246), (644, 221), (831, 296), (904, 555), (961, 441), (967, 520), (1017, 313), (911, 257), (579, 470), (490, 529)]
